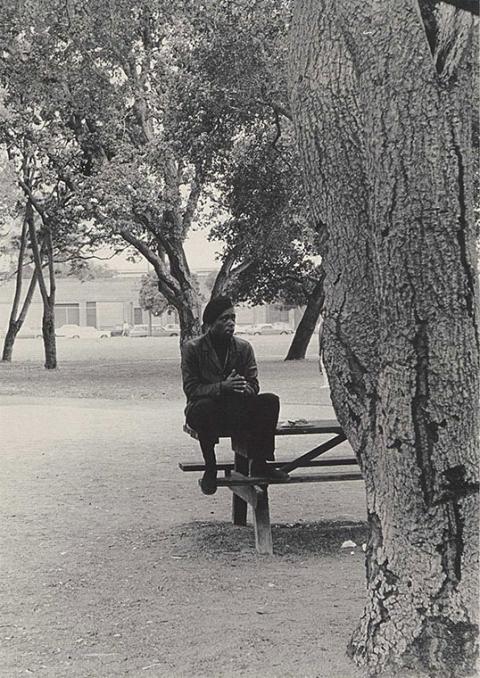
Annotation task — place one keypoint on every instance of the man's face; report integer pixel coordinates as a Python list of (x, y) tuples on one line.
[(224, 325)]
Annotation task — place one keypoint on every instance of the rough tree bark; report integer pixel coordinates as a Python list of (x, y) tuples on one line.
[(17, 319), (306, 326), (383, 122)]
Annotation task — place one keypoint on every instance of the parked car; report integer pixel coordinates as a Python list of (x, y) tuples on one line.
[(120, 331), (78, 332), (271, 328), (157, 331), (172, 329), (26, 332), (244, 329), (283, 328), (138, 331)]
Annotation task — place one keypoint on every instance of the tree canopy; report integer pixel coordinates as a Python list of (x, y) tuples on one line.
[(269, 236), (138, 108)]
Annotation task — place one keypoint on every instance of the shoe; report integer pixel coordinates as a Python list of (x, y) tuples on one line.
[(263, 470), (276, 474), (208, 482)]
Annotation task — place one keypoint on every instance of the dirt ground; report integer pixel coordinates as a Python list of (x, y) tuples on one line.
[(114, 564)]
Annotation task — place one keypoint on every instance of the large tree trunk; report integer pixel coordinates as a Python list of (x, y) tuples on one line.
[(306, 326), (384, 129), (188, 309)]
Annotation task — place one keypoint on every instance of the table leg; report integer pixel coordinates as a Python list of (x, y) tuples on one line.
[(239, 506), (261, 521)]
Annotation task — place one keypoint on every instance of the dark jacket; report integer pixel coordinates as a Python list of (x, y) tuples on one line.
[(202, 373)]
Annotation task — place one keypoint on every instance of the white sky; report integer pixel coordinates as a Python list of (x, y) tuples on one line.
[(200, 251), (200, 254)]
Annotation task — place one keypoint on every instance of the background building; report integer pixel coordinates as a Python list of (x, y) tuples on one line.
[(105, 303)]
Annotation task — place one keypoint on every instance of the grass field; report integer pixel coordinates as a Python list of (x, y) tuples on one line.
[(145, 368), (141, 348)]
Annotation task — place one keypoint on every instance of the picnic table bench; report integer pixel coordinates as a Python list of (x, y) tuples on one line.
[(248, 490)]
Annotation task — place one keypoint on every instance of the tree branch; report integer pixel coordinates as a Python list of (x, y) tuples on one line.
[(179, 268), (222, 276), (36, 253), (48, 244), (28, 298), (19, 273), (172, 195), (228, 273), (191, 206), (162, 274), (277, 107), (241, 268), (51, 266), (33, 201)]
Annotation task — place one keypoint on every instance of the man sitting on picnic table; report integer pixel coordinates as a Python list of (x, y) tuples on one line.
[(220, 381)]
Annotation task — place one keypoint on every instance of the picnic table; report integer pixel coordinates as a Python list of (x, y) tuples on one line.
[(248, 490)]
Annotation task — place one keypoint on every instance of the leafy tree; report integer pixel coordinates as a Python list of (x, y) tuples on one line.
[(270, 244), (23, 154), (9, 191), (150, 299), (269, 235), (382, 102), (149, 99), (43, 158), (154, 194), (19, 309), (145, 133), (34, 151), (83, 269), (9, 196), (103, 81)]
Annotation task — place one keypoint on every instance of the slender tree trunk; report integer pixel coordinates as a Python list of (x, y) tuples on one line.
[(306, 326), (9, 342), (15, 323), (49, 340), (384, 129), (48, 320), (228, 273), (222, 278), (48, 297)]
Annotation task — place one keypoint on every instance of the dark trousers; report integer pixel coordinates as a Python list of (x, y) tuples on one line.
[(252, 417)]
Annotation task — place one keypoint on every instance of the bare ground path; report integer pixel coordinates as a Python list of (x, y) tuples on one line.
[(114, 564)]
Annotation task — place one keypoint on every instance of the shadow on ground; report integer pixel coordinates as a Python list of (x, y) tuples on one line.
[(218, 539)]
